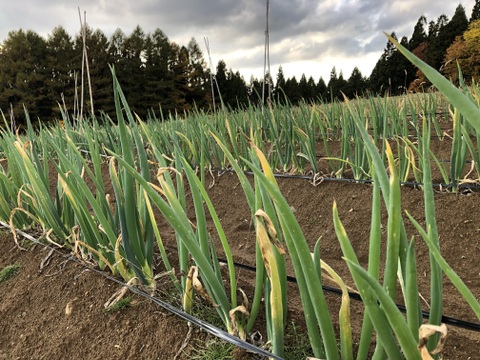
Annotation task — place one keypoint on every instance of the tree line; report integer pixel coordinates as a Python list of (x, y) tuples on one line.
[(161, 77)]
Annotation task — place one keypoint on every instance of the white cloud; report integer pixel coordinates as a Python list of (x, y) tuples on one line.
[(305, 35)]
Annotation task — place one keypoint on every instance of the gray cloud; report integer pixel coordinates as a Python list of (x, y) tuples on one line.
[(300, 30)]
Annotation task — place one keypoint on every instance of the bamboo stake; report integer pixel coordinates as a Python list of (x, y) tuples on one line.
[(82, 32), (266, 59), (86, 62), (213, 78)]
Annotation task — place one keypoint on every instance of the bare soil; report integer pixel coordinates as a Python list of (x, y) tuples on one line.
[(34, 323)]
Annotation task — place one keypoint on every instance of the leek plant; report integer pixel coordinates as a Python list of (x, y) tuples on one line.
[(11, 181), (309, 282), (35, 192), (459, 151), (120, 231), (471, 112), (193, 240)]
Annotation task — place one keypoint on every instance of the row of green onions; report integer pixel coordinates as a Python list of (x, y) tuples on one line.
[(152, 164)]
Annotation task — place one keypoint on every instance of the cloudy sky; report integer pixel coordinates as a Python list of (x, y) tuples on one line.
[(306, 36)]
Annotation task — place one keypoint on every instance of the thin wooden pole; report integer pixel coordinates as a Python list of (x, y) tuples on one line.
[(266, 58), (83, 67), (86, 62), (213, 78)]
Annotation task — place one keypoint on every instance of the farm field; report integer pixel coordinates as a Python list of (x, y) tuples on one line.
[(32, 311), (215, 213)]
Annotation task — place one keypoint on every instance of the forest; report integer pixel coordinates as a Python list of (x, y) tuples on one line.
[(160, 77)]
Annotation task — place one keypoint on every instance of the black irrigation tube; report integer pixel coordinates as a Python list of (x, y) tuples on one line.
[(243, 344), (355, 296), (360, 181), (219, 333)]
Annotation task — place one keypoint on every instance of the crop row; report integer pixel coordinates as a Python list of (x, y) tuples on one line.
[(152, 163)]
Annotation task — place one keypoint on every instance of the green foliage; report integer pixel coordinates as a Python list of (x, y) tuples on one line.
[(475, 12), (155, 73), (8, 272), (212, 349), (120, 305), (463, 53)]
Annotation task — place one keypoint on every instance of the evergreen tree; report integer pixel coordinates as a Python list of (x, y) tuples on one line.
[(278, 91), (236, 91), (356, 84), (221, 79), (311, 91), (307, 89), (100, 74), (131, 72), (341, 86), (153, 72), (24, 76), (419, 35), (332, 88), (435, 50), (443, 35), (390, 74), (159, 81), (456, 27), (475, 12), (402, 72), (199, 85), (232, 87), (61, 67), (255, 91), (291, 90), (303, 88), (321, 89), (179, 65)]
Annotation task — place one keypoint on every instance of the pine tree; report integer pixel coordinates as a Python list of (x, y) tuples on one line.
[(221, 80), (332, 85), (255, 90), (159, 81), (402, 72), (278, 91), (435, 43), (237, 91), (419, 35), (457, 26), (100, 74), (199, 85), (443, 35), (303, 88), (475, 12), (356, 84), (291, 90), (24, 76), (380, 78), (116, 45), (61, 66), (179, 65), (312, 90), (131, 70), (321, 89)]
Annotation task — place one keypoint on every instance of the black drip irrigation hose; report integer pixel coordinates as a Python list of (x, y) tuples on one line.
[(213, 330), (465, 186), (355, 296)]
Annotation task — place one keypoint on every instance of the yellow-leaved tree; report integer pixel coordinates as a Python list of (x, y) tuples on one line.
[(466, 51)]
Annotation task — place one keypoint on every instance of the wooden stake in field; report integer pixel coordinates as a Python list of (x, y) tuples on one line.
[(266, 59), (213, 78), (85, 66)]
